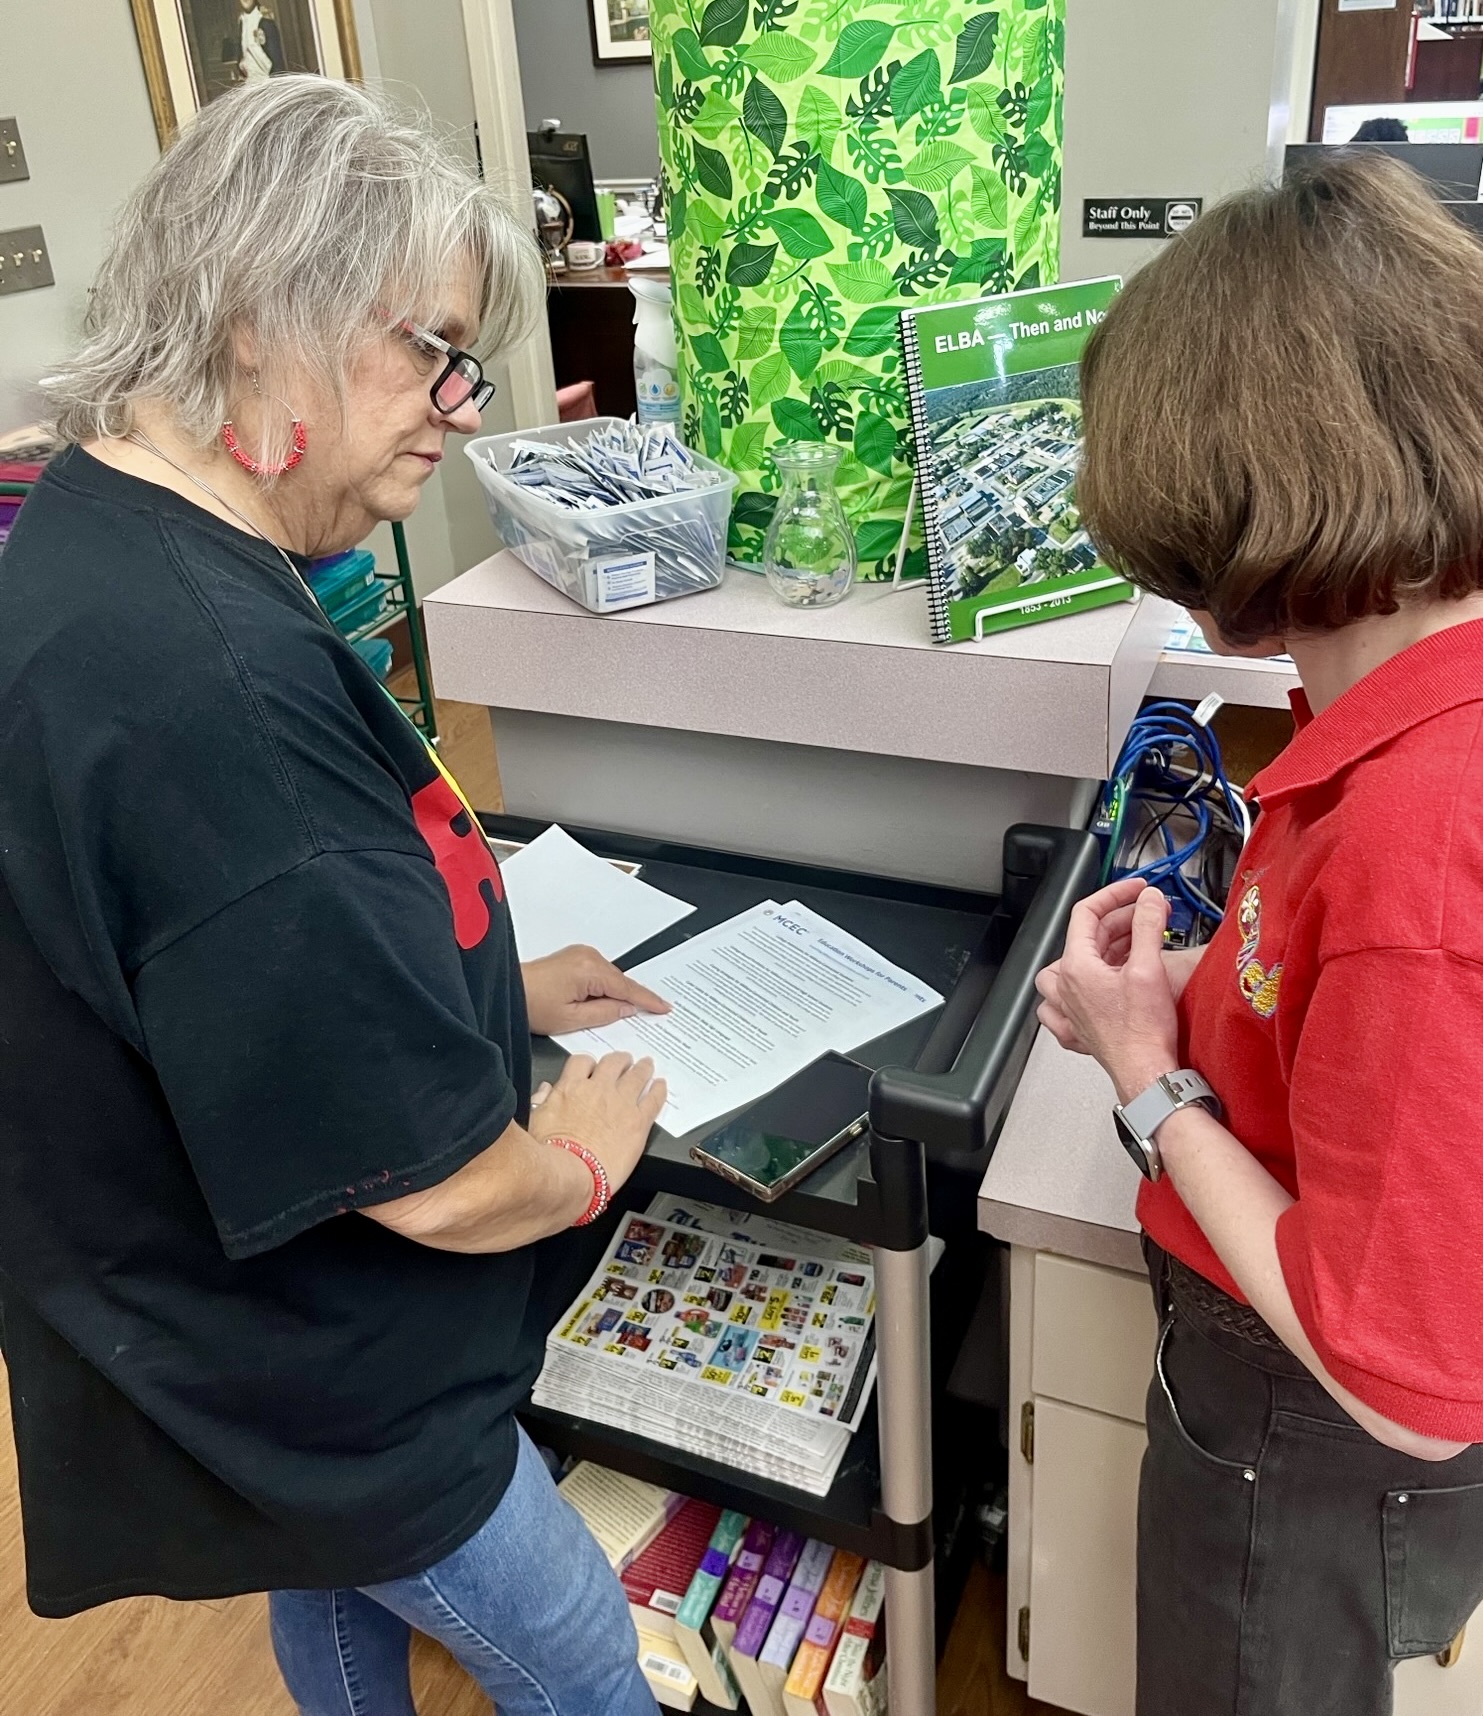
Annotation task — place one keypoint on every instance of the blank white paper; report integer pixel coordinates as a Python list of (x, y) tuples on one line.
[(560, 894)]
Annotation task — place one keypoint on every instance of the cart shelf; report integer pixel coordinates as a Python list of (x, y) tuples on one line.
[(848, 1517), (940, 1088)]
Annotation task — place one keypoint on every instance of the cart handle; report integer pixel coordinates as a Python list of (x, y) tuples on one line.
[(954, 1114)]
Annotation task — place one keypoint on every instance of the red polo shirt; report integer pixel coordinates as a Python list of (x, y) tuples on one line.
[(1338, 1011)]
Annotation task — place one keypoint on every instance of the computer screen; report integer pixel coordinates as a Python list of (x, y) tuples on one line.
[(559, 162), (1453, 170)]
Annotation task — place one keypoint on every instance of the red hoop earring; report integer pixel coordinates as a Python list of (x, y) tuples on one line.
[(255, 467)]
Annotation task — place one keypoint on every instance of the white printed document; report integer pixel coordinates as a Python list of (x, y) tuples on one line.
[(559, 894), (756, 1000)]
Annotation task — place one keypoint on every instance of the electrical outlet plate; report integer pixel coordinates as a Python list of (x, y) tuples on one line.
[(12, 153), (24, 262)]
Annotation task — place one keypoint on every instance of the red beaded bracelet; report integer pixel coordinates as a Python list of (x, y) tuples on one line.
[(602, 1186)]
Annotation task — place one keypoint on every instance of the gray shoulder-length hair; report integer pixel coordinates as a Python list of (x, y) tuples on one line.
[(304, 213)]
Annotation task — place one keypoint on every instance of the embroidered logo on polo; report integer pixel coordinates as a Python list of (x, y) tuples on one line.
[(1257, 984), (464, 860)]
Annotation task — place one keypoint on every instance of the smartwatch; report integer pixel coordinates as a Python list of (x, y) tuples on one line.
[(1137, 1121)]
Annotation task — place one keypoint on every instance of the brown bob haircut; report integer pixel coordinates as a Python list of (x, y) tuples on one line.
[(1284, 410)]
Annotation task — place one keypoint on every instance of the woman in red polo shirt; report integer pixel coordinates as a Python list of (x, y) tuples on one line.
[(1284, 420)]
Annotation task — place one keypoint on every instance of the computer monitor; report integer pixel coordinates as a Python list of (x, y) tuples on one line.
[(559, 162), (1470, 214), (1453, 170)]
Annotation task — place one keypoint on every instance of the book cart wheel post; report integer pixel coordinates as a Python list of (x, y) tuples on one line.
[(904, 1397), (949, 1118)]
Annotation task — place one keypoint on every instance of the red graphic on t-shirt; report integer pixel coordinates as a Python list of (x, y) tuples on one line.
[(464, 860)]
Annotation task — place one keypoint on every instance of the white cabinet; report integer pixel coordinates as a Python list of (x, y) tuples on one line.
[(1082, 1559), (1081, 1353), (1424, 1688)]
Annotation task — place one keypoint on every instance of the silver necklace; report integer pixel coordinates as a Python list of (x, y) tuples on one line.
[(241, 517)]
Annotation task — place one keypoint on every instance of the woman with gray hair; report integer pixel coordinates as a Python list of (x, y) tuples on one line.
[(272, 1193)]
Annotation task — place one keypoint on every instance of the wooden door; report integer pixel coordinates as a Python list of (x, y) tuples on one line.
[(1361, 57)]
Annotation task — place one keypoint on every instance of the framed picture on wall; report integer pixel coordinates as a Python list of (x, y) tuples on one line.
[(620, 31), (195, 50)]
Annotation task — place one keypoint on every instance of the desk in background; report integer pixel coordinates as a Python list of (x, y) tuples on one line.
[(590, 314)]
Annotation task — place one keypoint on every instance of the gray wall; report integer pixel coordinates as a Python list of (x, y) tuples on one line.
[(88, 150), (70, 73), (417, 48), (1165, 99), (613, 104)]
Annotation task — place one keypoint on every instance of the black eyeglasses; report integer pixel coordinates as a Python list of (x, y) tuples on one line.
[(461, 378)]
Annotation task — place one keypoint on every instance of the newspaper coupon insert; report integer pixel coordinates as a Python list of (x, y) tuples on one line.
[(756, 1000)]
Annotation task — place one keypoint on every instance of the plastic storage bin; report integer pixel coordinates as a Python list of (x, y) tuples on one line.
[(611, 557)]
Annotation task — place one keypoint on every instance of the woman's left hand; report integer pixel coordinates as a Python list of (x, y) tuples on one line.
[(1109, 994), (577, 989)]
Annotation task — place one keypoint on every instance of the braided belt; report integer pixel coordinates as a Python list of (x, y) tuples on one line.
[(1194, 1294)]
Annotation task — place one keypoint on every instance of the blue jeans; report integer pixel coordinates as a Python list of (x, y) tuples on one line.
[(528, 1605)]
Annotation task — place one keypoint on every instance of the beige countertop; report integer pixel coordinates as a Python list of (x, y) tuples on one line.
[(1051, 699), (1254, 684), (1059, 1180)]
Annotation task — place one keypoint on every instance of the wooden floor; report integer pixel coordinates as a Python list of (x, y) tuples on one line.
[(152, 1658)]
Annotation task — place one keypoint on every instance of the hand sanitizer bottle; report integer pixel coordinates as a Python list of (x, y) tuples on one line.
[(656, 363)]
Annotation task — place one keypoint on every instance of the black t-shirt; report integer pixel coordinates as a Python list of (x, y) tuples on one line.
[(256, 973)]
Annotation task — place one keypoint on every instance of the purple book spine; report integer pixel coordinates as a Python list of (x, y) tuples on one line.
[(751, 1635), (798, 1606), (742, 1582)]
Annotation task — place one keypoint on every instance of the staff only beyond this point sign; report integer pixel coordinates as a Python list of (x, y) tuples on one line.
[(1138, 217)]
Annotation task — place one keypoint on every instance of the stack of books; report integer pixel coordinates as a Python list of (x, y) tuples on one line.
[(630, 1519), (10, 505), (755, 1352), (376, 653), (23, 456), (736, 1611), (348, 589)]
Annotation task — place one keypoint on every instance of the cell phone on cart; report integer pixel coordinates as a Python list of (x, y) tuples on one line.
[(780, 1140)]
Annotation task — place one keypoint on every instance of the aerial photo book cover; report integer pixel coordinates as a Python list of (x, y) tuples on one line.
[(996, 415)]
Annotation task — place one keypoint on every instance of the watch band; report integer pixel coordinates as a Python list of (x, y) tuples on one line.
[(1137, 1123), (1165, 1096), (602, 1186)]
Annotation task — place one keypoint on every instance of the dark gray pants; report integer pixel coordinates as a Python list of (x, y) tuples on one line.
[(1286, 1560)]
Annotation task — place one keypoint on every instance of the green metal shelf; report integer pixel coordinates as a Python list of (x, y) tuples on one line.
[(420, 708)]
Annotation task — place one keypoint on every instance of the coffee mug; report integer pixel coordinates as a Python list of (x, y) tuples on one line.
[(584, 253)]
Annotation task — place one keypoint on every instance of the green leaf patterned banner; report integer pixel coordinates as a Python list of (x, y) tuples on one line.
[(828, 163)]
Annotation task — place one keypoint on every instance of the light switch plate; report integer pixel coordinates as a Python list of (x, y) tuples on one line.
[(12, 154), (24, 262)]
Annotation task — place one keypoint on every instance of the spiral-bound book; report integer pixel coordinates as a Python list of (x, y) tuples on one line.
[(996, 413)]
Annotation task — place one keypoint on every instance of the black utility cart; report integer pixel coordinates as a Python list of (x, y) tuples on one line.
[(940, 1091)]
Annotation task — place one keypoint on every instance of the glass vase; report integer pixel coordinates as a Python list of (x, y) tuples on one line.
[(809, 554)]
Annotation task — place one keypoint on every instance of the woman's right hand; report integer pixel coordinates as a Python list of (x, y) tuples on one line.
[(1114, 940), (609, 1105)]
